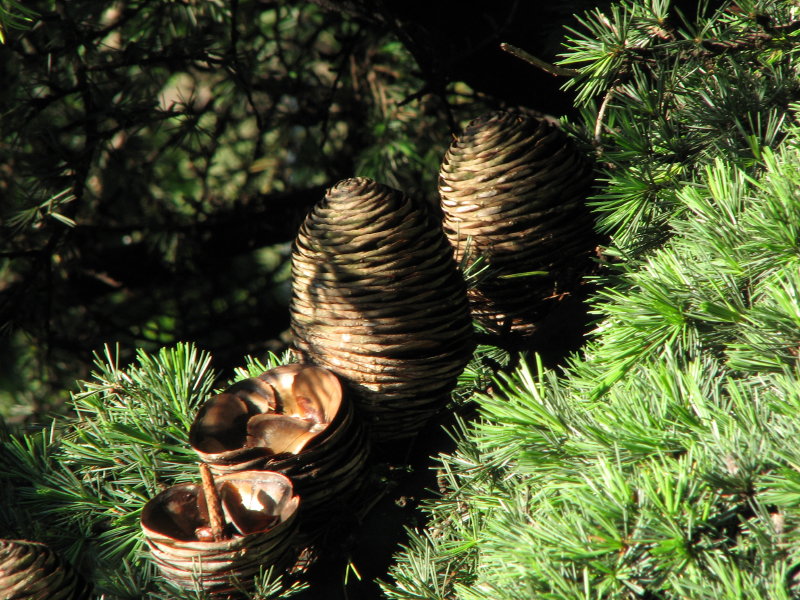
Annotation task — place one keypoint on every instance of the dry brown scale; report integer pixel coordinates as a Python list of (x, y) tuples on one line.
[(378, 300), (293, 419), (513, 190), (254, 530), (33, 571)]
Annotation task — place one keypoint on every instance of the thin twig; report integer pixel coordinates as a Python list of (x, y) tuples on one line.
[(554, 70), (598, 124)]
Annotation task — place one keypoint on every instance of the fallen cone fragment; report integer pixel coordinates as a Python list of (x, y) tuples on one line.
[(222, 534), (293, 419)]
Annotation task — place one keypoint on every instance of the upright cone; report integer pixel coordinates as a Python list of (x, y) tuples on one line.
[(377, 299), (513, 188), (32, 570)]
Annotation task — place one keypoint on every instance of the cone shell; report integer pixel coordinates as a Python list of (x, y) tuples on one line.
[(377, 299), (513, 188), (33, 571), (294, 419), (261, 509)]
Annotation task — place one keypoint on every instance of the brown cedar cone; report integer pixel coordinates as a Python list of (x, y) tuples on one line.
[(377, 299), (32, 571), (293, 419), (249, 525), (513, 187)]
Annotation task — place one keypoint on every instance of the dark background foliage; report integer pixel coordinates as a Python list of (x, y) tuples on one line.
[(157, 158)]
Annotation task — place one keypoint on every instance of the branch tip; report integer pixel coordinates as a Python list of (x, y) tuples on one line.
[(529, 58)]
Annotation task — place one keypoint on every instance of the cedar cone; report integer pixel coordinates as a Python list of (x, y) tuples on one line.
[(293, 419), (377, 299), (513, 188), (33, 571), (222, 545)]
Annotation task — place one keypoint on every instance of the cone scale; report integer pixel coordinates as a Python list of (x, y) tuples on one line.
[(293, 419), (32, 570), (258, 531), (378, 300), (513, 187)]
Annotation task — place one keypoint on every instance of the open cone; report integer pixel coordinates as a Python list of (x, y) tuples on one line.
[(378, 300), (257, 530), (513, 188), (294, 419)]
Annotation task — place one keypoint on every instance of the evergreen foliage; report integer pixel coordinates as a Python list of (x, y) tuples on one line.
[(14, 15), (666, 94), (659, 462), (82, 487)]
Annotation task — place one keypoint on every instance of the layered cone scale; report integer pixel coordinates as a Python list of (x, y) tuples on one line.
[(377, 299), (257, 526), (513, 188), (33, 571), (293, 419)]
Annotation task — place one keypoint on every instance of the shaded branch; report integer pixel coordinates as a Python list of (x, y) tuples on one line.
[(554, 70)]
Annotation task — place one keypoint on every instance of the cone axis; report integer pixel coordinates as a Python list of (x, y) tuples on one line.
[(377, 299), (513, 187)]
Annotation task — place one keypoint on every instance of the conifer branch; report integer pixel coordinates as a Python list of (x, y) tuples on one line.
[(646, 449), (601, 113), (529, 58)]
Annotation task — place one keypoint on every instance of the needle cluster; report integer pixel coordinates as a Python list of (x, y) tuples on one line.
[(658, 462)]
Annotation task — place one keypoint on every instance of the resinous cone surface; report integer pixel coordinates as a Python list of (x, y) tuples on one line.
[(513, 188), (377, 298), (33, 571)]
